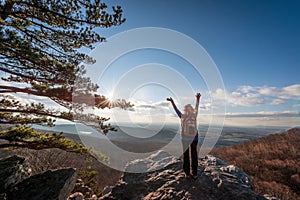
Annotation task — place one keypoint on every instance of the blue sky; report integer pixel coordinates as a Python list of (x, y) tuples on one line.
[(257, 39), (254, 44)]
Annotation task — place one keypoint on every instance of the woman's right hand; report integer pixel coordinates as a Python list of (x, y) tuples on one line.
[(170, 99)]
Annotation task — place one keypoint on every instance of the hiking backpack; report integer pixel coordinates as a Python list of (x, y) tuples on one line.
[(189, 124)]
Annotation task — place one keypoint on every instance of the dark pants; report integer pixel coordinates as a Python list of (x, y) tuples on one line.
[(187, 145)]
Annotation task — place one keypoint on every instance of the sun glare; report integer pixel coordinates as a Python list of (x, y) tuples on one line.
[(109, 96)]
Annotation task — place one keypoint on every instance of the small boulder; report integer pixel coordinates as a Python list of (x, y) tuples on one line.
[(76, 196), (106, 190)]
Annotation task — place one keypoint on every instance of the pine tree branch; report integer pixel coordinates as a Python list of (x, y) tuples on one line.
[(26, 137), (43, 9), (35, 112), (45, 80), (13, 89), (63, 53), (10, 145)]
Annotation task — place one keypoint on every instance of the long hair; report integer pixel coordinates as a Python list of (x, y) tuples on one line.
[(188, 110)]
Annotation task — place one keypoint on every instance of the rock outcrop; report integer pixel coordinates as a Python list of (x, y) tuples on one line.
[(50, 185), (16, 182), (163, 179), (216, 180), (13, 170)]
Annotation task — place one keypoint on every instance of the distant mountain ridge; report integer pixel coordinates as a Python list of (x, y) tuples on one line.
[(229, 136)]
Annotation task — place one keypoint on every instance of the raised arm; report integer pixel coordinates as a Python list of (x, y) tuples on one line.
[(198, 95), (175, 107)]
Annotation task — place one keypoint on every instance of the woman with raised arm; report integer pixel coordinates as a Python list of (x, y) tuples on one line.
[(189, 135)]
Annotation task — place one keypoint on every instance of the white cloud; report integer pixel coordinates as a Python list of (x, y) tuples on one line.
[(155, 105), (237, 98), (251, 96), (245, 88), (288, 92), (267, 91), (277, 102), (205, 106), (164, 105)]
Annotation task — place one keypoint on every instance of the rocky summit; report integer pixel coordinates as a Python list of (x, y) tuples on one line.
[(164, 179)]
